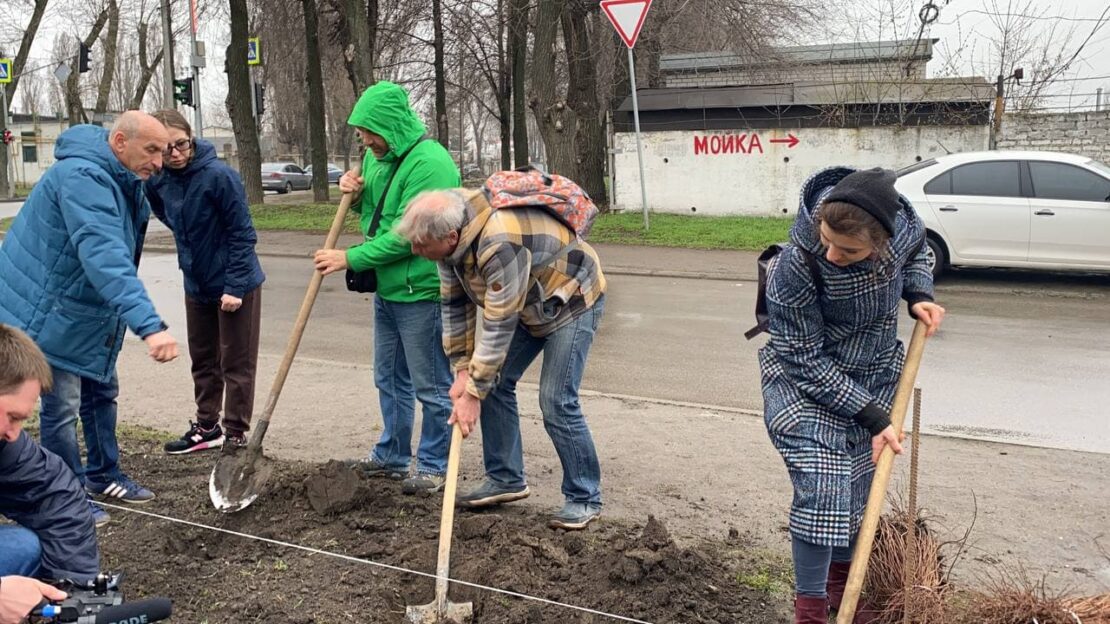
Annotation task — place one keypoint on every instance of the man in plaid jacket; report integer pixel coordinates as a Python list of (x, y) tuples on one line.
[(541, 289)]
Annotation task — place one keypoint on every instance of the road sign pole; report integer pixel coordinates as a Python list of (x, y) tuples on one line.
[(639, 145), (198, 129), (167, 57), (7, 148)]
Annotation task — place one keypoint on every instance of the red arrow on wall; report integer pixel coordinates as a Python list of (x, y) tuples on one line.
[(791, 141)]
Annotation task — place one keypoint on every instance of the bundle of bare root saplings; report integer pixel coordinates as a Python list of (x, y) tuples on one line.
[(922, 588)]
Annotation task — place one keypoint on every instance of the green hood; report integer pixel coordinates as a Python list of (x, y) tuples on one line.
[(384, 110)]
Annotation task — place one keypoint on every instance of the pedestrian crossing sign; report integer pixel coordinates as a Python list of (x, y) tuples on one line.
[(254, 56), (5, 71)]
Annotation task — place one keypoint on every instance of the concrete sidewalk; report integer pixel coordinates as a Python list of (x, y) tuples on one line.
[(616, 259)]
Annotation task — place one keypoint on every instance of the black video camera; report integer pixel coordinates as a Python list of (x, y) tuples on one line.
[(100, 602)]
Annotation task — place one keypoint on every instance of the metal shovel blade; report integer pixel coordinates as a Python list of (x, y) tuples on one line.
[(238, 478), (436, 613)]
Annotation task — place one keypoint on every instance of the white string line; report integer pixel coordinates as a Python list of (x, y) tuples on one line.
[(375, 563)]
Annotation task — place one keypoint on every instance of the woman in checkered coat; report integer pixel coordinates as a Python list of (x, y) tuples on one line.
[(830, 368)]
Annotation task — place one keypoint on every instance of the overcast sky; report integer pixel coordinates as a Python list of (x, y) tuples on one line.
[(963, 27)]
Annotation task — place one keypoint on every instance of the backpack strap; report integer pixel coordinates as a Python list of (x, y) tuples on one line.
[(762, 317)]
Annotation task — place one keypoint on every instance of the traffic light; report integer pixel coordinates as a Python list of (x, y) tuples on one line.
[(7, 137), (83, 59), (259, 99), (183, 91)]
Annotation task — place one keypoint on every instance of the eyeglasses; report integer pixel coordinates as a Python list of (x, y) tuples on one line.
[(181, 145)]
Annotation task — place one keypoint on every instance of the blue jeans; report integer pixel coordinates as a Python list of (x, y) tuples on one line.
[(564, 361), (74, 396), (811, 565), (21, 553), (409, 362)]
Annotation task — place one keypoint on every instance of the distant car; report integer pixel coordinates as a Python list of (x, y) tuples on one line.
[(284, 177), (334, 173), (1039, 210)]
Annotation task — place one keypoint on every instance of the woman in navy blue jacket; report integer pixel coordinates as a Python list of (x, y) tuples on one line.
[(832, 363), (203, 203)]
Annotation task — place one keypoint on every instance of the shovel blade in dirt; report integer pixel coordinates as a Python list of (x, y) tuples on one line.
[(241, 473), (238, 479), (435, 613)]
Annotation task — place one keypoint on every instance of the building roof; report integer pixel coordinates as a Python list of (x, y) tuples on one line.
[(856, 52), (812, 94)]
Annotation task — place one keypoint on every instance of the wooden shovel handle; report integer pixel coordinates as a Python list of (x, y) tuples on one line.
[(447, 518), (865, 541), (263, 421)]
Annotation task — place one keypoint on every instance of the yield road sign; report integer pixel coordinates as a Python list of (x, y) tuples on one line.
[(627, 16), (5, 70), (254, 55)]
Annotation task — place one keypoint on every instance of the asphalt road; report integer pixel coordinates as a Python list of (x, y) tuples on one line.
[(1022, 357)]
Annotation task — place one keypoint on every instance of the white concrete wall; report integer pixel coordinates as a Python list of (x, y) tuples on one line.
[(742, 172)]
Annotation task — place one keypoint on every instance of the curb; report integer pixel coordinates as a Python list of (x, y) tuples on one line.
[(613, 270)]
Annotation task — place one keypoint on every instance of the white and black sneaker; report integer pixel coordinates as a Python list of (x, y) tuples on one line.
[(197, 438)]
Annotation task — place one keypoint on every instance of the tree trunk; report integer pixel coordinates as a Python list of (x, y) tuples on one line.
[(146, 69), (9, 89), (442, 133), (518, 54), (504, 86), (317, 135), (622, 83), (589, 132), (556, 119), (74, 109), (239, 103), (110, 45), (358, 45)]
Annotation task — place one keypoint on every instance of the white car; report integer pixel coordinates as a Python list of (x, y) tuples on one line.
[(1039, 210)]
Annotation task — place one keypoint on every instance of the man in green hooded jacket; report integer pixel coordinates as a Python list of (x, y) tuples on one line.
[(408, 347)]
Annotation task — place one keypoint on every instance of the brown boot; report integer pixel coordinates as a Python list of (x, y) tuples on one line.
[(838, 579), (834, 587), (810, 610)]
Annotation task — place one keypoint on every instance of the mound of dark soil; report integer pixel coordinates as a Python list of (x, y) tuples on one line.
[(635, 571)]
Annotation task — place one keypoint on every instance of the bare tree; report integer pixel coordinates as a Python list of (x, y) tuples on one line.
[(75, 109), (442, 132), (25, 44), (239, 103), (518, 54), (109, 71), (582, 97), (317, 135), (547, 97)]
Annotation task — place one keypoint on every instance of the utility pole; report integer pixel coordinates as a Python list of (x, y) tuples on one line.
[(999, 104), (196, 61), (167, 57), (7, 146), (1098, 99)]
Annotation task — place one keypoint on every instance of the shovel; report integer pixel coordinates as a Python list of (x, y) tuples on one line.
[(240, 474), (443, 610), (866, 538)]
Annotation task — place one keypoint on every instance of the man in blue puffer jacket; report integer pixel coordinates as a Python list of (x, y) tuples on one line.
[(68, 277)]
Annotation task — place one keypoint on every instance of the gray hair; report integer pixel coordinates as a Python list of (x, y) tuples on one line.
[(432, 215)]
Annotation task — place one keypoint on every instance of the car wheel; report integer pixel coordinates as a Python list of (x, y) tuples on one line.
[(288, 187), (935, 256)]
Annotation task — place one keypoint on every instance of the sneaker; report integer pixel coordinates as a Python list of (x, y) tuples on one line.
[(423, 482), (490, 493), (122, 488), (197, 438), (100, 517), (575, 516), (237, 440), (374, 468)]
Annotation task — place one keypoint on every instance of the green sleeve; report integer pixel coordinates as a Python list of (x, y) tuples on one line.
[(387, 248)]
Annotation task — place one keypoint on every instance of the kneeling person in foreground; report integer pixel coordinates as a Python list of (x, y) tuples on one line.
[(541, 289)]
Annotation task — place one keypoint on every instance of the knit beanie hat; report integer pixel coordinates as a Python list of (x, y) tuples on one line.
[(873, 191)]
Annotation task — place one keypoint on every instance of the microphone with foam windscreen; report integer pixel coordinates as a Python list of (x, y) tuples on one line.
[(137, 612)]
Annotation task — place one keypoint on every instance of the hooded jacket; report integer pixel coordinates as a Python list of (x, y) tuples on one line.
[(68, 266), (205, 207), (384, 110), (830, 355), (39, 492)]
